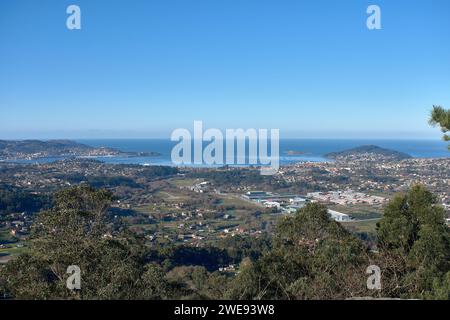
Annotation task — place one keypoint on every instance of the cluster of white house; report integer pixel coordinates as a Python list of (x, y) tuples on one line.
[(347, 197), (288, 203)]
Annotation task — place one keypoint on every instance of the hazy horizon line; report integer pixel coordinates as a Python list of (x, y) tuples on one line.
[(168, 139)]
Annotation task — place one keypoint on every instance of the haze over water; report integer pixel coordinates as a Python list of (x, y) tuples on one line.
[(303, 149)]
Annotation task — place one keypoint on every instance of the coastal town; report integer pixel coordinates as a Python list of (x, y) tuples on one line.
[(198, 206), (26, 150)]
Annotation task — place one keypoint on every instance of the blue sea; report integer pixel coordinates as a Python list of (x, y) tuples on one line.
[(304, 149)]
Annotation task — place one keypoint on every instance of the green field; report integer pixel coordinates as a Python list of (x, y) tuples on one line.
[(361, 226), (5, 236), (359, 211), (182, 182)]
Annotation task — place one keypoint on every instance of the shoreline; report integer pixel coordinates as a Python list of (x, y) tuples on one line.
[(114, 160)]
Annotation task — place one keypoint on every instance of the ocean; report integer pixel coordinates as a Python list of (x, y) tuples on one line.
[(291, 150)]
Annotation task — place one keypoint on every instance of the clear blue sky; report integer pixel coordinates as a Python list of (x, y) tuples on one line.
[(143, 68)]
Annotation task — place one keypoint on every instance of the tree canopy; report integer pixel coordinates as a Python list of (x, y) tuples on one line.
[(78, 231), (313, 257), (310, 256), (414, 244), (441, 117)]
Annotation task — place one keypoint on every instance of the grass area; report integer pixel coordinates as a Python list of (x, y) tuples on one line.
[(361, 226), (238, 202), (5, 236), (177, 182), (167, 196), (170, 224), (388, 195), (359, 211), (9, 246), (145, 208), (12, 250)]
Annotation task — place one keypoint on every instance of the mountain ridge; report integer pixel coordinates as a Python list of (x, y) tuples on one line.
[(368, 149), (34, 149)]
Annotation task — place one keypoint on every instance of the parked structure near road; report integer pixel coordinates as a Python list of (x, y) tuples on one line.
[(263, 195), (288, 203), (271, 204), (298, 202), (338, 216)]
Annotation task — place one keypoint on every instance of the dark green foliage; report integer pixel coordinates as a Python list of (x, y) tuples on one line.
[(239, 247), (414, 244), (441, 117), (441, 288), (195, 282), (153, 172), (211, 258), (308, 257), (153, 284), (13, 200), (312, 258), (101, 181), (77, 231)]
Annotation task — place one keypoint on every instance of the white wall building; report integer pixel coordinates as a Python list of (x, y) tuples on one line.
[(272, 204), (338, 216)]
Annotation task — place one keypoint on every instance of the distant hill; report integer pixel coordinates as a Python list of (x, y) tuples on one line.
[(369, 150), (33, 146), (33, 149)]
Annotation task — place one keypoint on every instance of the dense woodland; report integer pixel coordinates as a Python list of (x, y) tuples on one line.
[(309, 256), (14, 200)]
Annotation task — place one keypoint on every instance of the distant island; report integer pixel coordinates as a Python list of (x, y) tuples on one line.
[(368, 152), (294, 153), (35, 149)]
